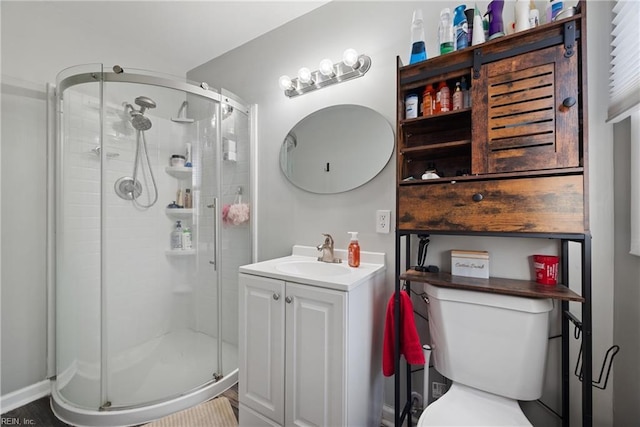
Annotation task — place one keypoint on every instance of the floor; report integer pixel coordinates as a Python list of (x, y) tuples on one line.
[(39, 414)]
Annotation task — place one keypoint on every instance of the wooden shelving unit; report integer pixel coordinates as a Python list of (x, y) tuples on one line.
[(512, 165)]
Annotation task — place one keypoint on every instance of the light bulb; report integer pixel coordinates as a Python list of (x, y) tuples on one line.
[(285, 83), (304, 75), (326, 67), (350, 58)]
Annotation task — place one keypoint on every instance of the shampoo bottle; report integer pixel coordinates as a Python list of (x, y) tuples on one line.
[(176, 236), (186, 238), (354, 250)]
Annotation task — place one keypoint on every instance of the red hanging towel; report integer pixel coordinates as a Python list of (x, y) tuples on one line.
[(409, 340)]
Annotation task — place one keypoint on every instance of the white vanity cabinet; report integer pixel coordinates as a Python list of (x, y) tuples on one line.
[(310, 355)]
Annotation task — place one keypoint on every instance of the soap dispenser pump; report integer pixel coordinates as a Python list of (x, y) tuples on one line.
[(354, 250)]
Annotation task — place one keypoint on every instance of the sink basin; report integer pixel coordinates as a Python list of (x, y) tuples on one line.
[(313, 268)]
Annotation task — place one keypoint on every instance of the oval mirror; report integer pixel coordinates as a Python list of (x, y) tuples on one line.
[(336, 149)]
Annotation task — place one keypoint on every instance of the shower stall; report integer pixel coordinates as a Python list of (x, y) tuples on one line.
[(146, 310)]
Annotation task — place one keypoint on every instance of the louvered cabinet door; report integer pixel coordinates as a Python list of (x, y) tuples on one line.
[(525, 113)]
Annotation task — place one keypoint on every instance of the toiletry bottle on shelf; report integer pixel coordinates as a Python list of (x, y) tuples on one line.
[(457, 98), (522, 15), (188, 155), (461, 27), (186, 238), (446, 39), (469, 13), (428, 99), (176, 236), (496, 26), (180, 198), (354, 250), (478, 35), (466, 96), (411, 106), (418, 49), (443, 98), (188, 199), (534, 15)]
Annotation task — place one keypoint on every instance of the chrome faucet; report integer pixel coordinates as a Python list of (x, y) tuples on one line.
[(327, 250)]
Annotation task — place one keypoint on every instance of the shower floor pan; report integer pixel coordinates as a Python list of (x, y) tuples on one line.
[(145, 378)]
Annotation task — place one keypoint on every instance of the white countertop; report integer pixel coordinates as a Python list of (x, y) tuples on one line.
[(371, 264)]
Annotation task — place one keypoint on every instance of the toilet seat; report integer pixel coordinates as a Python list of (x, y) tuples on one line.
[(467, 406)]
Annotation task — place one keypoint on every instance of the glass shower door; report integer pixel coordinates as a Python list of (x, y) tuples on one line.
[(157, 343), (235, 229)]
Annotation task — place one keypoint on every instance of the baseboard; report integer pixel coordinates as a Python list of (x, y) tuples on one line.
[(18, 398)]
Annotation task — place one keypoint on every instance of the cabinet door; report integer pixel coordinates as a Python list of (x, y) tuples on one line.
[(315, 354), (261, 350), (519, 117)]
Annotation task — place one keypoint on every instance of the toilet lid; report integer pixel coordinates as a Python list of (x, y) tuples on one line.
[(466, 406)]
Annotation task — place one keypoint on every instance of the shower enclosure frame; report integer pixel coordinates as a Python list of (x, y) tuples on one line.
[(144, 412)]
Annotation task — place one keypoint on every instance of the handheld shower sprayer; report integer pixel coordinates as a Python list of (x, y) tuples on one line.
[(130, 188)]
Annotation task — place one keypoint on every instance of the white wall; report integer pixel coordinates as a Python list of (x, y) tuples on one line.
[(381, 30), (24, 184)]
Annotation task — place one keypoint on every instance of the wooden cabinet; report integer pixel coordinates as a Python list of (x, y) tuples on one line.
[(307, 354), (524, 121)]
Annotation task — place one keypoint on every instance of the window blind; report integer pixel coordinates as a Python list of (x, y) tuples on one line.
[(624, 79)]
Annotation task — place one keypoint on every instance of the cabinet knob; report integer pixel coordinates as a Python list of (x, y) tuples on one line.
[(276, 297), (288, 300), (477, 197), (569, 102)]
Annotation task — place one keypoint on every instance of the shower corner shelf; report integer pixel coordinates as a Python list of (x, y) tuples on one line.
[(179, 213), (180, 172), (180, 252)]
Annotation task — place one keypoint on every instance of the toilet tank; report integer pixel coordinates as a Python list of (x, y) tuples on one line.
[(493, 342)]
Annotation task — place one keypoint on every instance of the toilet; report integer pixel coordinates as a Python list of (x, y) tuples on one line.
[(493, 347)]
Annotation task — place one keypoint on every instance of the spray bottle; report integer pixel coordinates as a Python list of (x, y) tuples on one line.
[(354, 250), (446, 38), (461, 27), (496, 27), (418, 49)]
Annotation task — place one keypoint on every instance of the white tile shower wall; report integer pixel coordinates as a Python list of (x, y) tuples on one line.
[(138, 275)]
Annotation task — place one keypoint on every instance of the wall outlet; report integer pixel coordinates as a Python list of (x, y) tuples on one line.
[(383, 219), (438, 389)]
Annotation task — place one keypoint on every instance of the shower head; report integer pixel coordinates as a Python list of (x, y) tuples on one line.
[(145, 103), (139, 121)]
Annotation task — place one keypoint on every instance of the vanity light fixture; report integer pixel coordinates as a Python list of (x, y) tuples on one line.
[(352, 66)]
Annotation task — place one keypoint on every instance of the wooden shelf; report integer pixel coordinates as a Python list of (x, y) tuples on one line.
[(422, 119), (522, 288), (435, 147)]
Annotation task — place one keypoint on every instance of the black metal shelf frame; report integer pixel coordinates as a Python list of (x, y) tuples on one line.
[(403, 410)]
